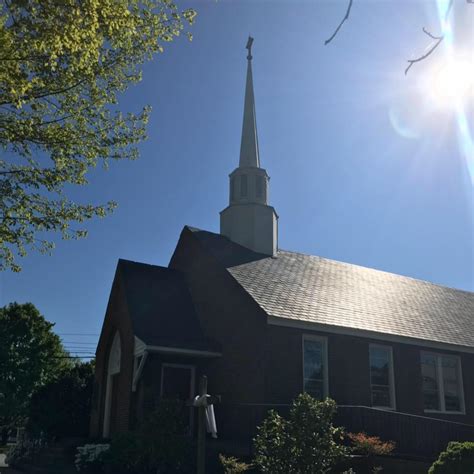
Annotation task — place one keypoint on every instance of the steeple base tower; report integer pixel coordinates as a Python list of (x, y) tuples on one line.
[(254, 226)]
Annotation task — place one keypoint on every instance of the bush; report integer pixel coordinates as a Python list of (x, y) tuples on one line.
[(232, 465), (90, 458), (160, 445), (458, 458), (306, 442), (370, 445), (24, 452), (61, 408)]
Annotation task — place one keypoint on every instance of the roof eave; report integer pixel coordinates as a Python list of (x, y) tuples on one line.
[(348, 331)]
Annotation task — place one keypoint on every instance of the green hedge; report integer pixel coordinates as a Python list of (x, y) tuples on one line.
[(457, 459)]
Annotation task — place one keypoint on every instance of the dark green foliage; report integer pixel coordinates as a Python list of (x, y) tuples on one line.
[(31, 355), (24, 451), (232, 465), (305, 442), (161, 445), (62, 407), (457, 459)]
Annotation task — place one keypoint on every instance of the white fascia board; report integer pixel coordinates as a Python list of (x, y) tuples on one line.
[(182, 351), (379, 336)]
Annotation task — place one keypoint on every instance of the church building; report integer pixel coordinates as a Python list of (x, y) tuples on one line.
[(265, 324)]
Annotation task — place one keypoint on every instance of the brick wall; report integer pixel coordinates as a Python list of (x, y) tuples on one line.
[(116, 319)]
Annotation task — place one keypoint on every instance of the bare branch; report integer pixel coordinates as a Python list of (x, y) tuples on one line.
[(346, 17), (431, 35), (438, 40)]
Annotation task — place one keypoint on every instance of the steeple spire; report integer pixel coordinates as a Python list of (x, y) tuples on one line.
[(249, 155), (248, 219)]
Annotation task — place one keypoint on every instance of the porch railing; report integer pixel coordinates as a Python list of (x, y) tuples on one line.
[(416, 436)]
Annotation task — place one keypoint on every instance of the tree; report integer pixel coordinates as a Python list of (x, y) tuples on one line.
[(31, 355), (63, 64), (304, 443), (62, 406)]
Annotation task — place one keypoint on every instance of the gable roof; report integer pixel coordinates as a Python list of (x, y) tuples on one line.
[(161, 308), (304, 288)]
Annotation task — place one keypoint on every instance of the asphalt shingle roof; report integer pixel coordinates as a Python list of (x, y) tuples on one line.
[(161, 308), (318, 290)]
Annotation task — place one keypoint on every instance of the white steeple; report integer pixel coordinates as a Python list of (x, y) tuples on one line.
[(249, 220), (249, 144)]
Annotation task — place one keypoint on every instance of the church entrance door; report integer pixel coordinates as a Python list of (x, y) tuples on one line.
[(177, 383)]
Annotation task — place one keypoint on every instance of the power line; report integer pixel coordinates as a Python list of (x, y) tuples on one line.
[(75, 357)]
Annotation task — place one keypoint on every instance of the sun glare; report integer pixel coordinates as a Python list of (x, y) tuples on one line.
[(452, 84)]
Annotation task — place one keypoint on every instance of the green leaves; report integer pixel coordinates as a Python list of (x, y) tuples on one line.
[(31, 355), (304, 443), (63, 66)]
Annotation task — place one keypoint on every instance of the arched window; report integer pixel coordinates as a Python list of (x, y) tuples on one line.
[(113, 368)]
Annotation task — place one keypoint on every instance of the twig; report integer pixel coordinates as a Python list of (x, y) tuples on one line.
[(438, 40), (346, 17)]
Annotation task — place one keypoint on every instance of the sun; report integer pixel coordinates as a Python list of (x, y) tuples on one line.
[(451, 84)]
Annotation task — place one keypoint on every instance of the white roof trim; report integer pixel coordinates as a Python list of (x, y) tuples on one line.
[(379, 336), (182, 351)]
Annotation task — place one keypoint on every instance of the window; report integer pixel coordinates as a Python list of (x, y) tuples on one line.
[(259, 187), (442, 383), (315, 367), (381, 376), (243, 185)]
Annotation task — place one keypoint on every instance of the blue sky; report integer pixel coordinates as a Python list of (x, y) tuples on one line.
[(366, 167)]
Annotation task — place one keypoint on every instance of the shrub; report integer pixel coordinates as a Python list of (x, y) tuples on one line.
[(232, 465), (305, 442), (127, 453), (61, 408), (90, 457), (370, 445), (24, 451), (458, 458), (160, 445)]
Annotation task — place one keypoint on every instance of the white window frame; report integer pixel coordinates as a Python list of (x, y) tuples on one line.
[(324, 341), (391, 377), (439, 376)]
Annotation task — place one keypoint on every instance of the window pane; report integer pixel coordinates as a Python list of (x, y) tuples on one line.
[(314, 388), (430, 400), (380, 396), (243, 185), (313, 368), (451, 384), (380, 362), (428, 371), (430, 382)]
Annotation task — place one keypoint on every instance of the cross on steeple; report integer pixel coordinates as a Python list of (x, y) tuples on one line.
[(249, 47), (249, 155)]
